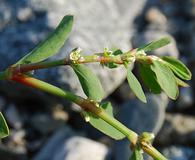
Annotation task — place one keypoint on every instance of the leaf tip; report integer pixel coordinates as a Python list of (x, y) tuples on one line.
[(144, 100), (69, 16), (68, 19), (167, 39)]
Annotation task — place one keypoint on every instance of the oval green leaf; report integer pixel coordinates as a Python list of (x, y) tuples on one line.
[(177, 67), (103, 126), (155, 44), (112, 64), (4, 130), (89, 82), (52, 44), (149, 78), (135, 86), (165, 78)]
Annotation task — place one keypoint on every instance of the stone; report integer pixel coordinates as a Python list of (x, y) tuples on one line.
[(179, 153), (65, 144), (140, 117), (24, 14), (5, 14), (54, 143), (45, 124), (156, 18), (13, 116), (123, 93), (17, 141), (95, 23), (186, 98), (58, 113), (177, 129), (153, 111), (7, 154), (150, 35), (79, 148), (14, 146), (192, 46), (180, 24), (2, 102)]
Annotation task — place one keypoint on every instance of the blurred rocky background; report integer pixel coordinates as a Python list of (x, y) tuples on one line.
[(44, 127)]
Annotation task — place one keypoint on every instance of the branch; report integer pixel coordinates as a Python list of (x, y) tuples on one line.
[(100, 58), (85, 104), (89, 106)]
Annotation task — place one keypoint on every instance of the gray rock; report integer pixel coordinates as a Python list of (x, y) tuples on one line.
[(79, 148), (13, 116), (185, 99), (192, 46), (98, 24), (5, 14), (179, 153), (14, 147), (63, 145), (156, 19), (45, 124), (150, 35), (140, 117), (54, 143), (177, 129), (24, 14), (7, 154), (2, 103), (17, 141), (149, 116)]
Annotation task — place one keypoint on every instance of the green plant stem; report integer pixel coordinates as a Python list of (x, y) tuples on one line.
[(88, 105), (119, 59), (35, 66), (153, 152), (41, 85), (91, 107), (84, 103), (131, 136)]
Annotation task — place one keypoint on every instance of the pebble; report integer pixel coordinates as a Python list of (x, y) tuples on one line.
[(24, 14), (179, 153), (80, 148), (44, 123), (186, 98), (177, 129), (155, 16), (13, 116), (5, 14)]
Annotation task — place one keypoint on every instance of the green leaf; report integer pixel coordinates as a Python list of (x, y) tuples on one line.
[(181, 83), (165, 78), (117, 52), (155, 44), (89, 82), (111, 65), (52, 44), (4, 130), (137, 154), (135, 86), (103, 126), (149, 78), (177, 67)]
